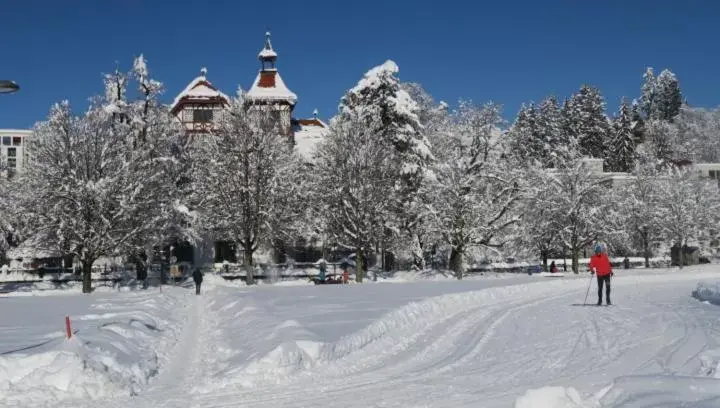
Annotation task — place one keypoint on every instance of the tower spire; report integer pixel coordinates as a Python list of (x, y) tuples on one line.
[(267, 55)]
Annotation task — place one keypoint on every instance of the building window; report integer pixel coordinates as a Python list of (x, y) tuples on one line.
[(6, 140), (202, 115), (17, 141), (187, 115), (12, 157)]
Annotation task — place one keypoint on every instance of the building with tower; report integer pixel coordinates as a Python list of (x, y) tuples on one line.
[(200, 103)]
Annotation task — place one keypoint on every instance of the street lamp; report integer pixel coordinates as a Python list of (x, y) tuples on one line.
[(8, 86)]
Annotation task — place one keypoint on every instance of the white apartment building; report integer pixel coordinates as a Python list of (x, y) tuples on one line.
[(13, 153)]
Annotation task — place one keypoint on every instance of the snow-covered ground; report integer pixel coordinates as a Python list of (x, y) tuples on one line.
[(523, 341)]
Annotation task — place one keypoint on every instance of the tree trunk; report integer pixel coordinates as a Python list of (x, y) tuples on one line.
[(456, 260), (87, 275), (359, 265), (544, 257), (575, 260), (140, 261), (418, 253), (248, 262), (646, 248), (682, 254)]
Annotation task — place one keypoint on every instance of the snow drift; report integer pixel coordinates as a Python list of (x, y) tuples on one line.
[(117, 348), (708, 292), (551, 397)]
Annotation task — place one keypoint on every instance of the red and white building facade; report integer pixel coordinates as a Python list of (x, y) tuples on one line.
[(200, 103)]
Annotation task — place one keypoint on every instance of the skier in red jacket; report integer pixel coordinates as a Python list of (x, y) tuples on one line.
[(600, 266)]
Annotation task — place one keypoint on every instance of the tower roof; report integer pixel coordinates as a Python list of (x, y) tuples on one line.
[(268, 85), (199, 90), (267, 53)]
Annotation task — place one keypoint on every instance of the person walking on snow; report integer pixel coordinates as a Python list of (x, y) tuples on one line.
[(198, 278), (602, 268)]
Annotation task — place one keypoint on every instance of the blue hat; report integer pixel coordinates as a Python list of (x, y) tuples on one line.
[(598, 248)]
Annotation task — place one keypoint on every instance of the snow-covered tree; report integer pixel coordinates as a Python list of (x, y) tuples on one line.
[(621, 149), (475, 191), (648, 94), (635, 209), (578, 199), (585, 121), (558, 147), (668, 97), (537, 233), (243, 178), (661, 97), (418, 240), (10, 216), (386, 109), (355, 180), (688, 207), (526, 145), (159, 148), (103, 183), (659, 149)]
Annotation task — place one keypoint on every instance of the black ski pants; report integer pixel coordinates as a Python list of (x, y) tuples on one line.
[(606, 281), (197, 287)]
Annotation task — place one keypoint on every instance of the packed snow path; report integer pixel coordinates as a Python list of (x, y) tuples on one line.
[(275, 347)]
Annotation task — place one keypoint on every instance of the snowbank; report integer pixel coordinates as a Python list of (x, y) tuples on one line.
[(631, 392), (119, 344), (662, 391), (708, 292), (551, 397)]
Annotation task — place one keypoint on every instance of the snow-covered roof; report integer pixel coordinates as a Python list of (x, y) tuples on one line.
[(308, 133), (267, 53), (199, 89), (269, 86)]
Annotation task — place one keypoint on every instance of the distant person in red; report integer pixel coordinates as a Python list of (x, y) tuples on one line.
[(600, 266)]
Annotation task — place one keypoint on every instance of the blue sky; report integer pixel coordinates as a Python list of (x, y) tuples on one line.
[(507, 51)]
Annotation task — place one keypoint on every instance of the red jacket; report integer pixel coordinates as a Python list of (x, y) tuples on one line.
[(600, 263)]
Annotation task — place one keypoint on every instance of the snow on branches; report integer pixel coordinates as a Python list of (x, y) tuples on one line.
[(103, 183), (244, 178), (474, 191)]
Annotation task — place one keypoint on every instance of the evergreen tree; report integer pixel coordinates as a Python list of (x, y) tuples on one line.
[(647, 93), (585, 121), (525, 140), (638, 123), (385, 109), (556, 144), (660, 97), (621, 150), (668, 98)]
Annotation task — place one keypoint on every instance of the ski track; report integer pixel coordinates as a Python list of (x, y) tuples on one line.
[(487, 353)]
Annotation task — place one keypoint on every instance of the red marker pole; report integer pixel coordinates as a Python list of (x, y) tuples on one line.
[(68, 327)]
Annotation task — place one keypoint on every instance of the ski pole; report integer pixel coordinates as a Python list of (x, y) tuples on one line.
[(588, 290)]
